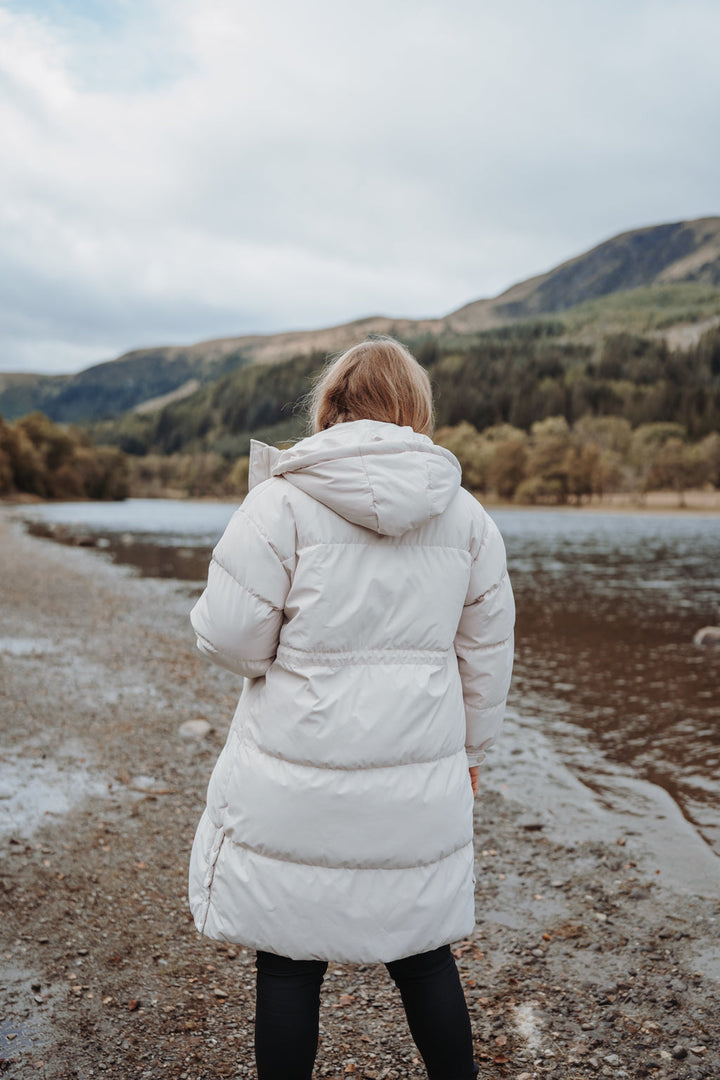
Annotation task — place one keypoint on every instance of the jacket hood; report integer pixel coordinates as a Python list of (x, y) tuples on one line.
[(382, 476)]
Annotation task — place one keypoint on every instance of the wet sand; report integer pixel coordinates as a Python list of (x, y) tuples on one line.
[(596, 950)]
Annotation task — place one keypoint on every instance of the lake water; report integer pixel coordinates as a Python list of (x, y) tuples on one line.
[(607, 606)]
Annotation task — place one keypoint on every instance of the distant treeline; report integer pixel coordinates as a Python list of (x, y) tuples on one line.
[(39, 457), (516, 375), (556, 463), (553, 463)]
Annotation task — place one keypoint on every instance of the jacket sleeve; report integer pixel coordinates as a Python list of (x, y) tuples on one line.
[(237, 619), (484, 644)]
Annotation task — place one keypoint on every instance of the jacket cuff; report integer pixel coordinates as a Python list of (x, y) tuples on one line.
[(475, 757)]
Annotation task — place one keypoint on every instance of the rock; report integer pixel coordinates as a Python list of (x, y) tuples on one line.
[(679, 1052), (612, 1059), (194, 729), (708, 635), (142, 783), (530, 823)]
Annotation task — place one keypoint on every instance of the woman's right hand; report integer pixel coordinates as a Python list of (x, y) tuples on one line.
[(475, 779)]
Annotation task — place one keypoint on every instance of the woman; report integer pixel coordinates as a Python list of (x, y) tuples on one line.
[(363, 595)]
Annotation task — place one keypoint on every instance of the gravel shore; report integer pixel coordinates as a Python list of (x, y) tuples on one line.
[(596, 950)]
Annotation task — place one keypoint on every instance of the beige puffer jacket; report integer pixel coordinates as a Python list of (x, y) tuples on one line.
[(364, 596)]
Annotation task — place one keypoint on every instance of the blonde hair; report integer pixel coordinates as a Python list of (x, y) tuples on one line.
[(378, 379)]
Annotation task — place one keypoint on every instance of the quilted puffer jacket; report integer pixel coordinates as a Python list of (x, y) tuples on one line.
[(363, 595)]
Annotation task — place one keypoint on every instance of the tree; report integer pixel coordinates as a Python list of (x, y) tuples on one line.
[(472, 451), (709, 449), (678, 466), (506, 469), (547, 463)]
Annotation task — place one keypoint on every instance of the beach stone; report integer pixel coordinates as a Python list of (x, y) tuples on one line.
[(143, 782), (194, 729), (679, 1052), (530, 823), (708, 635)]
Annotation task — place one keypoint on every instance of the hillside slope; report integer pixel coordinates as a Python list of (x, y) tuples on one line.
[(685, 251), (677, 265)]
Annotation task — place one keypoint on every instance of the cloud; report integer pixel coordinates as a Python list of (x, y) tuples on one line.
[(176, 170)]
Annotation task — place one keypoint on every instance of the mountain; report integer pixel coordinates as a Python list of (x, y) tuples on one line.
[(686, 251), (673, 267)]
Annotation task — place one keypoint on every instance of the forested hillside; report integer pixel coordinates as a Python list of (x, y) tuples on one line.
[(516, 375), (530, 414)]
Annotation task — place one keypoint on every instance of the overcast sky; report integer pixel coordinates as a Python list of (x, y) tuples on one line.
[(174, 170)]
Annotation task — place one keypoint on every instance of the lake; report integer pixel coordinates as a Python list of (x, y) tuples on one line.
[(607, 606)]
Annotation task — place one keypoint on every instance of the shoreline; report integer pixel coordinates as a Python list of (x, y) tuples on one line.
[(595, 948), (654, 502)]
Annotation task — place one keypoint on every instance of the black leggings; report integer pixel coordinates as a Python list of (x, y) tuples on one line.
[(288, 1011)]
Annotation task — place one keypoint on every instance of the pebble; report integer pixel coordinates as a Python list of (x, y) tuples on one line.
[(679, 1052), (143, 782), (530, 823), (707, 635), (194, 729), (612, 1059)]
